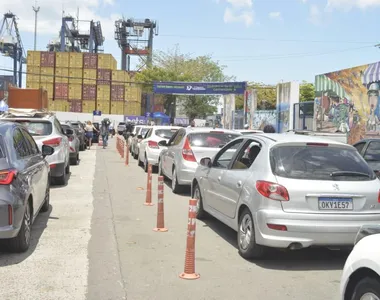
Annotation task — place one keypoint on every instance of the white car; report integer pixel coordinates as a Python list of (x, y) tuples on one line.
[(361, 274), (141, 132), (46, 130), (149, 147)]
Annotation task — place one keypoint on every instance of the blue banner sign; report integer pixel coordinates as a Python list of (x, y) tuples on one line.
[(136, 120), (199, 88), (97, 113)]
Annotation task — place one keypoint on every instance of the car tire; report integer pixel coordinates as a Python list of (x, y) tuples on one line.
[(246, 240), (45, 207), (176, 188), (67, 169), (21, 242), (369, 286), (201, 213), (75, 161)]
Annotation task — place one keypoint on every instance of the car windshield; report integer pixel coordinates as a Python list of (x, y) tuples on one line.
[(165, 133), (319, 163), (212, 139), (37, 128), (75, 125)]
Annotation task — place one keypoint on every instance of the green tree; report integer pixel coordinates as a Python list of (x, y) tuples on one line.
[(266, 96), (307, 91), (172, 65)]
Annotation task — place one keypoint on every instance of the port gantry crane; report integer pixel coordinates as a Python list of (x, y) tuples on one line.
[(11, 45)]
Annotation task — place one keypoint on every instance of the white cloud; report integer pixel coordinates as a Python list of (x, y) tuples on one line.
[(348, 4), (231, 16), (276, 15), (240, 3), (315, 15)]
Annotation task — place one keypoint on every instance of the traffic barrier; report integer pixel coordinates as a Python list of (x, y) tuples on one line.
[(118, 144), (148, 199), (189, 272), (100, 141), (160, 206), (122, 149), (126, 154)]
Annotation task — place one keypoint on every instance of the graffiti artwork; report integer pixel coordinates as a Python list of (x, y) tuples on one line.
[(263, 118), (348, 101)]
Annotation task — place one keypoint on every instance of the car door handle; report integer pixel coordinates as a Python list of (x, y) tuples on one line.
[(239, 183), (219, 178)]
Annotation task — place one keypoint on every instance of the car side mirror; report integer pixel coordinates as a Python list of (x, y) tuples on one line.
[(139, 136), (377, 172), (47, 150), (206, 162), (162, 143), (69, 131)]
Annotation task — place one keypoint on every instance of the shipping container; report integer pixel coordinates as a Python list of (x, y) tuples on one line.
[(47, 59), (75, 91), (49, 87), (51, 106), (47, 74), (89, 92), (117, 93), (103, 106), (90, 61), (104, 77), (127, 78), (33, 73), (117, 108), (61, 75), (75, 106), (61, 91), (103, 92), (34, 58), (133, 93), (33, 85), (89, 76), (88, 106), (118, 77), (75, 76), (61, 105), (76, 60), (114, 63), (2, 94), (128, 111), (105, 61), (27, 98), (62, 60)]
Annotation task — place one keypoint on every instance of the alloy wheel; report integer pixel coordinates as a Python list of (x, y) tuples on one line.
[(369, 296), (27, 223), (245, 232), (174, 180)]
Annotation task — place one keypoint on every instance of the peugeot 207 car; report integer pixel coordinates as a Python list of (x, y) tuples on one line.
[(24, 184), (288, 191)]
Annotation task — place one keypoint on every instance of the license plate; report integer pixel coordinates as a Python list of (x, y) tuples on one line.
[(327, 203)]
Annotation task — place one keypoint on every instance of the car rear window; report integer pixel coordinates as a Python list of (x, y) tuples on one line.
[(319, 163), (212, 139), (37, 128), (165, 133), (373, 152), (144, 131)]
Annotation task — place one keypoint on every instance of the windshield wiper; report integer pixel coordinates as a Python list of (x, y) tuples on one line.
[(349, 173)]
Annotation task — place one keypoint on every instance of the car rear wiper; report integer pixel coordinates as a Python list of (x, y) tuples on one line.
[(349, 173)]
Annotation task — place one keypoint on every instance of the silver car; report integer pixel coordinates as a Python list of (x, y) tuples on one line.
[(141, 132), (186, 147), (288, 191), (74, 143)]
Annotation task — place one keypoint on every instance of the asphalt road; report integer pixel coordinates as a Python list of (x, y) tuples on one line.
[(97, 243)]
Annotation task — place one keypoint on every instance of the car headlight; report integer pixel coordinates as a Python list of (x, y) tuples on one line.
[(366, 230)]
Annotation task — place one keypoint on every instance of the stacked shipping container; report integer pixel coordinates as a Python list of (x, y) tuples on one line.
[(83, 82)]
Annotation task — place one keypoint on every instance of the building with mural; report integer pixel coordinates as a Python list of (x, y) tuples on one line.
[(348, 101)]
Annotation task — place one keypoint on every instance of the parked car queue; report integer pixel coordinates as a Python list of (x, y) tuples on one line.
[(278, 191)]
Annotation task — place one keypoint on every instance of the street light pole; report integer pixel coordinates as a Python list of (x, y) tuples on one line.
[(36, 10)]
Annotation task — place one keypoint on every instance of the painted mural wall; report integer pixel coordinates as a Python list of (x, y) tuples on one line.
[(349, 101), (262, 118)]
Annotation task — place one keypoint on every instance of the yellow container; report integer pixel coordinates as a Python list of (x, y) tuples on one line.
[(133, 94), (75, 91), (105, 61), (118, 77), (103, 106), (88, 106), (51, 106), (89, 76), (127, 78), (33, 73), (61, 105), (61, 75), (32, 85), (47, 74), (34, 58), (62, 59), (132, 108), (114, 63), (117, 108), (49, 87), (76, 60), (75, 76), (103, 92)]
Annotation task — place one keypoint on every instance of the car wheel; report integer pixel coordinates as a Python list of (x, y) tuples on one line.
[(367, 288), (176, 188), (21, 242), (145, 164), (61, 180), (201, 213), (46, 205), (67, 169), (246, 237), (75, 161)]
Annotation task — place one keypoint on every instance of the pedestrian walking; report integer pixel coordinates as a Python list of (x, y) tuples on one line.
[(104, 131), (90, 128)]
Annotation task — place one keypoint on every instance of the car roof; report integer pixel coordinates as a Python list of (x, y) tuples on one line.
[(208, 129), (165, 127), (368, 140)]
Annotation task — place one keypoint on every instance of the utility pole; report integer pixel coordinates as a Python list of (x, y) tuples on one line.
[(36, 10)]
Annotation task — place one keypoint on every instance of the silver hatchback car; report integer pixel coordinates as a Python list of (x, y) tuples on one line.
[(288, 191)]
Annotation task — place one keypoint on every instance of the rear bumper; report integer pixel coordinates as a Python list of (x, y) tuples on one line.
[(309, 229), (10, 231), (153, 156), (56, 170), (185, 172)]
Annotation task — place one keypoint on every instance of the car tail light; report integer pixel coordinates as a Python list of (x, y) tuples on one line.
[(277, 227), (272, 190), (71, 138), (317, 144), (378, 197), (53, 142), (187, 153), (7, 176), (10, 215), (153, 144)]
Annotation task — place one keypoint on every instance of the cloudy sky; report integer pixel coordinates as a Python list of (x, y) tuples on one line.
[(258, 40)]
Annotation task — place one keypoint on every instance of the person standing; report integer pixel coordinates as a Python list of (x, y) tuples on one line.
[(104, 131), (90, 128)]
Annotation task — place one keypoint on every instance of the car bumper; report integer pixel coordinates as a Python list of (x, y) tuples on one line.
[(309, 229), (56, 170), (10, 231), (153, 156), (185, 172)]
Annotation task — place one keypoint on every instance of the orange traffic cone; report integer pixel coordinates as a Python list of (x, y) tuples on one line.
[(100, 142), (189, 272), (126, 155), (160, 206), (148, 199)]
